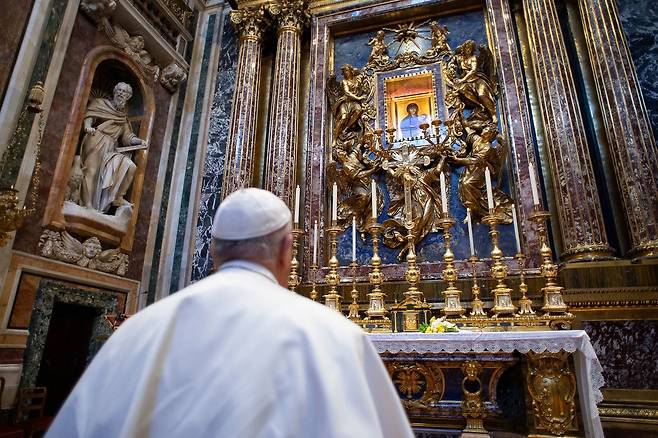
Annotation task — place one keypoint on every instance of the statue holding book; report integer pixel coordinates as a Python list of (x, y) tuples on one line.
[(107, 171)]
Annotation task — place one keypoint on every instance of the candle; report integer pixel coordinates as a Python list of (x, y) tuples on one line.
[(315, 243), (516, 230), (297, 205), (533, 184), (334, 207), (444, 198), (373, 194), (487, 179), (470, 231), (353, 238)]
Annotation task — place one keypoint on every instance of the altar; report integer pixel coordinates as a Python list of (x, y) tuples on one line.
[(539, 383)]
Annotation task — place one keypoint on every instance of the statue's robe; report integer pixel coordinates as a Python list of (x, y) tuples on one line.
[(104, 167)]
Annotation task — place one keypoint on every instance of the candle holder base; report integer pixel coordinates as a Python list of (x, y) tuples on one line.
[(333, 298), (294, 279), (313, 295)]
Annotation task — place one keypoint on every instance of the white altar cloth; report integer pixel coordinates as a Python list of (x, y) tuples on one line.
[(588, 368)]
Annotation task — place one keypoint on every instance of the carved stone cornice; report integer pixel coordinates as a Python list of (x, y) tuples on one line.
[(290, 15), (250, 22), (179, 9)]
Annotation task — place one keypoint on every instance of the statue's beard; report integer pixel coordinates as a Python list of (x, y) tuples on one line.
[(119, 104)]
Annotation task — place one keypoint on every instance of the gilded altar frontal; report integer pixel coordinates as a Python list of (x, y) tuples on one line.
[(473, 183)]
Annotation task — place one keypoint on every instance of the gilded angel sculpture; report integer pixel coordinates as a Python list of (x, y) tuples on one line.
[(352, 172), (475, 81), (379, 53), (472, 188), (348, 99), (439, 39), (88, 254), (414, 198)]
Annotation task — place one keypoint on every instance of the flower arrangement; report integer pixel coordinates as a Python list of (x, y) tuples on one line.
[(438, 326)]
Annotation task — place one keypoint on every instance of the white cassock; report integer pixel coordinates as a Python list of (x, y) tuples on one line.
[(235, 355)]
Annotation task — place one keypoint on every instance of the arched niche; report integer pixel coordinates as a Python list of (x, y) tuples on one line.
[(103, 68)]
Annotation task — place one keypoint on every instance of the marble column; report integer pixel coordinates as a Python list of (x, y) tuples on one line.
[(632, 145), (578, 204), (240, 147), (282, 139)]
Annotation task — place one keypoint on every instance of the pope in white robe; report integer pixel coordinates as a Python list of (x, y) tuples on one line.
[(235, 355)]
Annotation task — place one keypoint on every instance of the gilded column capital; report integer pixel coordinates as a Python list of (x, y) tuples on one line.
[(290, 15), (250, 22)]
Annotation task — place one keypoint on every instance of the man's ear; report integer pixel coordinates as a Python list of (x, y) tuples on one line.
[(285, 248)]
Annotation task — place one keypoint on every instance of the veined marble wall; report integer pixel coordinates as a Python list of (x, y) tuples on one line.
[(640, 22), (214, 161), (627, 352)]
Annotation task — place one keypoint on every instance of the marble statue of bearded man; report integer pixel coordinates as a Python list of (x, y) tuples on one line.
[(108, 173)]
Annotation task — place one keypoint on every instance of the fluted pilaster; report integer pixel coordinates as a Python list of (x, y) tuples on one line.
[(281, 155), (239, 162), (632, 145), (579, 208)]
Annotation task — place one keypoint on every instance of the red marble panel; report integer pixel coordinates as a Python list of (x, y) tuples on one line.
[(85, 37), (13, 20)]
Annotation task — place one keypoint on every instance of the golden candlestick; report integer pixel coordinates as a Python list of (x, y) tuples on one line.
[(478, 305), (502, 294), (332, 299), (452, 295), (294, 279), (553, 302), (525, 303), (376, 320), (314, 292), (353, 308), (414, 309)]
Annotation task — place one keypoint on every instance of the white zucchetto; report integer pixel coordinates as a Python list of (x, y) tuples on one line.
[(249, 213)]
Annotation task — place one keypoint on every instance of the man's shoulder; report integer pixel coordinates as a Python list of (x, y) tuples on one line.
[(304, 313)]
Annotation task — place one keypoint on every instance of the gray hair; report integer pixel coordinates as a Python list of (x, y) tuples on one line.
[(123, 85), (255, 249)]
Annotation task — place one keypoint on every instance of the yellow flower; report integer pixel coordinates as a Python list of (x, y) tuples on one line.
[(441, 329)]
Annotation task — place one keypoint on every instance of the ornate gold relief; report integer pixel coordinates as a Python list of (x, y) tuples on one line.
[(290, 14), (412, 166), (472, 404), (250, 22), (88, 254), (552, 387), (420, 385)]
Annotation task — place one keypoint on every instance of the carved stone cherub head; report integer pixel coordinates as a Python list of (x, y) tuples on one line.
[(91, 247)]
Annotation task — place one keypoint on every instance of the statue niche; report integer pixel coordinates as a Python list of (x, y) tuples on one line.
[(106, 143)]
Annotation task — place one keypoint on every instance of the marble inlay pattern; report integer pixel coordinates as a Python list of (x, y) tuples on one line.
[(281, 158), (579, 207), (639, 19), (191, 154), (16, 149), (632, 145), (48, 293), (627, 351), (217, 138)]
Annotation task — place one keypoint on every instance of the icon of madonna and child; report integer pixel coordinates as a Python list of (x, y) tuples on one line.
[(410, 124)]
